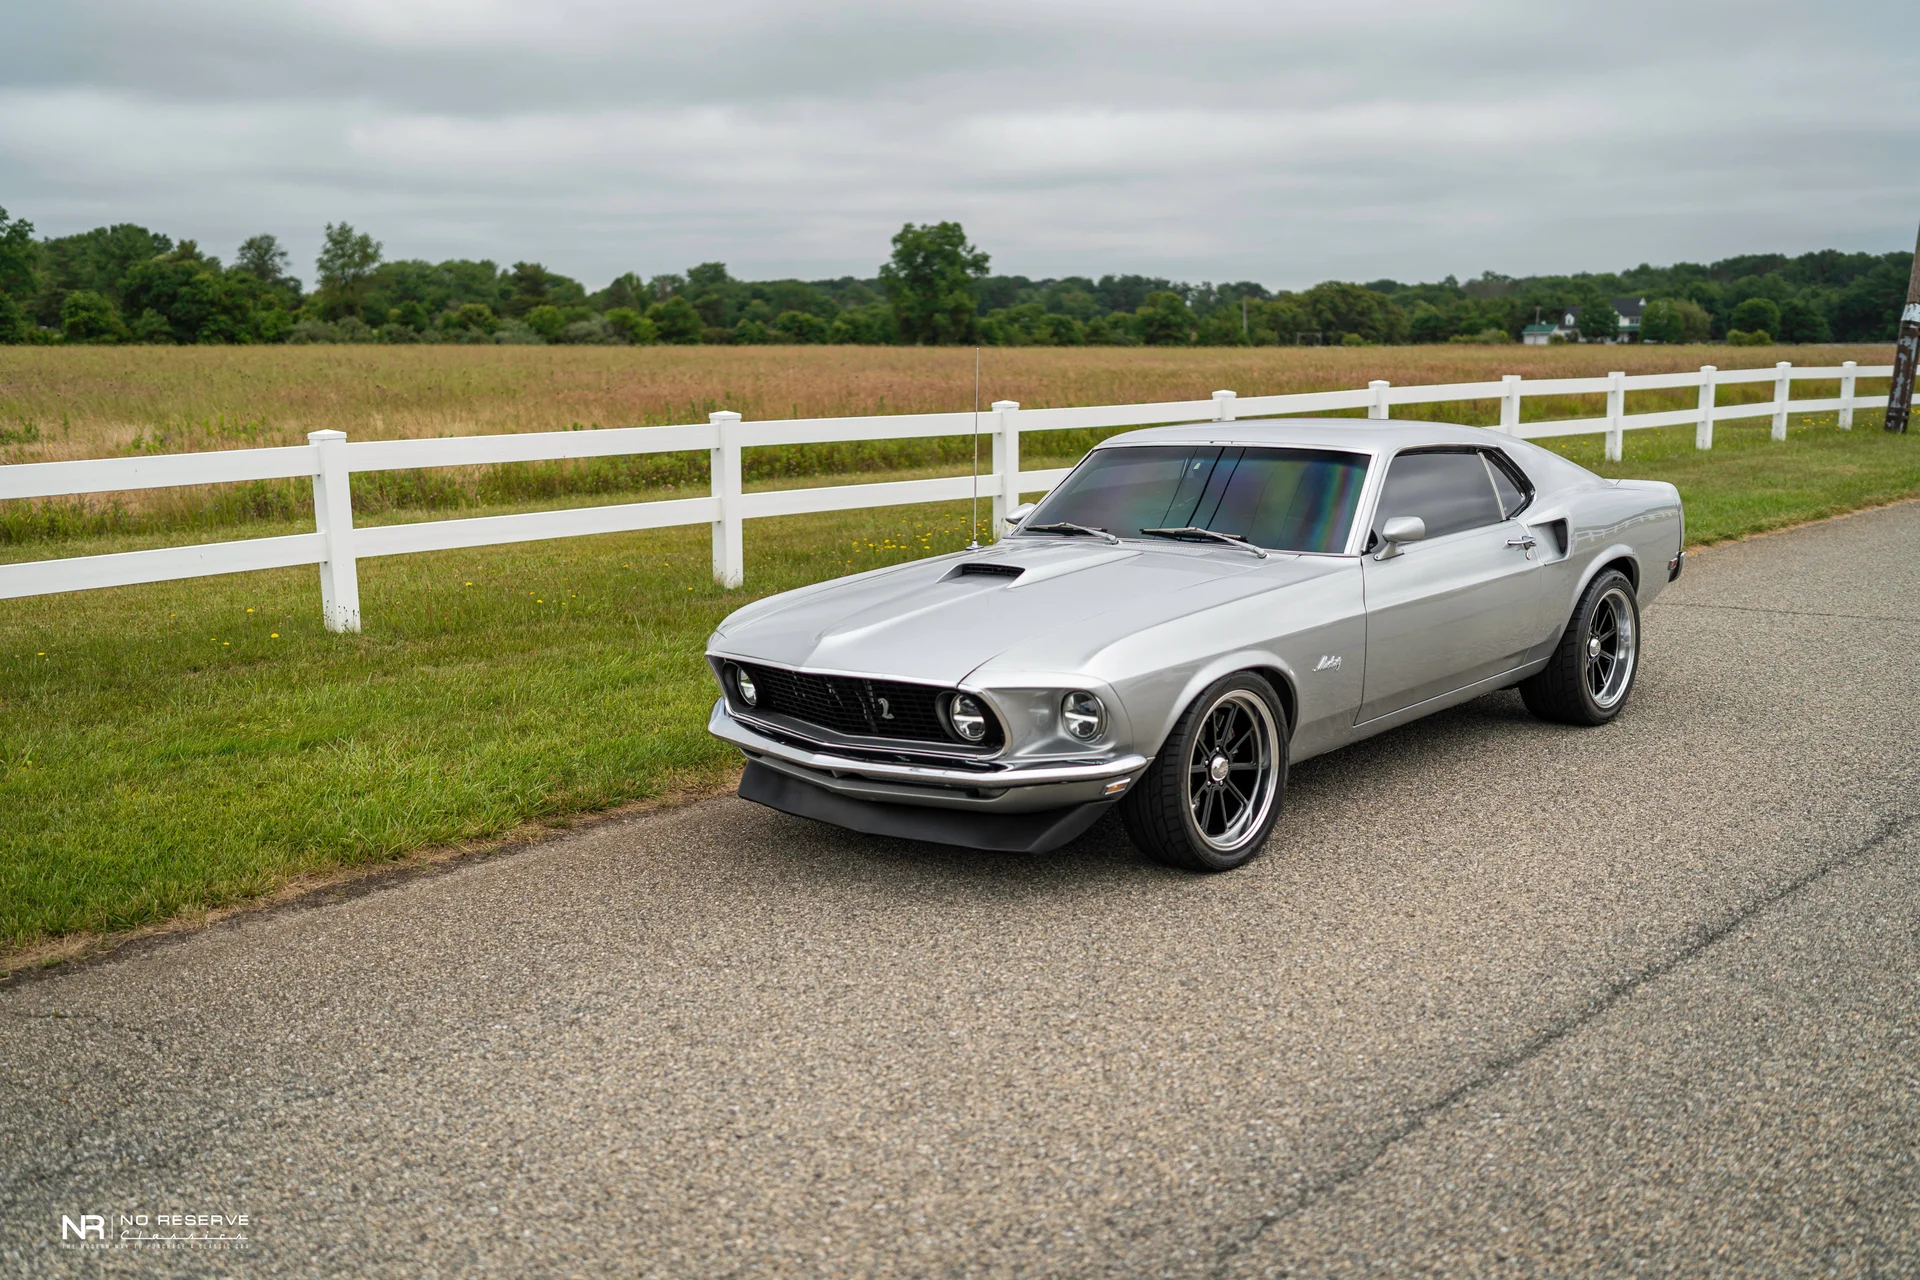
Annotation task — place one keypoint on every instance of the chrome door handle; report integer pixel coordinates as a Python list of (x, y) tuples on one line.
[(1526, 544)]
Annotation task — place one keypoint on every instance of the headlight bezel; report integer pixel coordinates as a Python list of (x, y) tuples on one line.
[(976, 716), (741, 685), (1080, 721)]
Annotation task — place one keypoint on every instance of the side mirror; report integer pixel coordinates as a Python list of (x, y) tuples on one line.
[(1399, 529), (1020, 513)]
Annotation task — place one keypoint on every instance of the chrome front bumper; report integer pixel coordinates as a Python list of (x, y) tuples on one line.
[(994, 788)]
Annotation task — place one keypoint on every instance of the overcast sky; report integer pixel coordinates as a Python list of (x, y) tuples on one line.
[(1268, 140)]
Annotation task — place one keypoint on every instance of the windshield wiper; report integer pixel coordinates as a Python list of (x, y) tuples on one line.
[(1192, 534), (1071, 530)]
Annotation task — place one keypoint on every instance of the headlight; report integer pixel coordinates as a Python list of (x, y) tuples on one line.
[(967, 717), (1083, 716), (744, 686)]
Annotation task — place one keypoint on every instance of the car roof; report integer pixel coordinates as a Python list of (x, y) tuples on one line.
[(1326, 433)]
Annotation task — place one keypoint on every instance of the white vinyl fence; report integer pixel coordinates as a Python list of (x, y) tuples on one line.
[(336, 546)]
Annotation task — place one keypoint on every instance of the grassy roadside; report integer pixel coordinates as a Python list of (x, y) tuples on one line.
[(178, 746)]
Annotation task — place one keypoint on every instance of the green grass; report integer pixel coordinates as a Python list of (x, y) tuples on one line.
[(184, 745)]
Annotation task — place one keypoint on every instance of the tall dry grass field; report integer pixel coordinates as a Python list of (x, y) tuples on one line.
[(86, 402)]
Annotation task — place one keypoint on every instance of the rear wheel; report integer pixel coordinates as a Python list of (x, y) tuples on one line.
[(1209, 800), (1591, 672)]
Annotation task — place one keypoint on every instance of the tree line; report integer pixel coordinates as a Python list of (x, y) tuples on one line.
[(125, 283)]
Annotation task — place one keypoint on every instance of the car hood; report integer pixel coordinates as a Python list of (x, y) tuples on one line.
[(937, 620)]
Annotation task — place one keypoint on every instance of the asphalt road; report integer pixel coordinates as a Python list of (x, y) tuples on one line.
[(1501, 997)]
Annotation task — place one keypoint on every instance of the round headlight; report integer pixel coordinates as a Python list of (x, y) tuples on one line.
[(968, 717), (744, 686), (1083, 715)]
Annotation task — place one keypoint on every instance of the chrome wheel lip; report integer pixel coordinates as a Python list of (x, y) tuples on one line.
[(1613, 648), (1239, 730)]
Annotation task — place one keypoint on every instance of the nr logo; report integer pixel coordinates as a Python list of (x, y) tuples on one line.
[(92, 1226)]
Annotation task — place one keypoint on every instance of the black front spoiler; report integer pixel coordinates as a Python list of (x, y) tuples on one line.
[(999, 832)]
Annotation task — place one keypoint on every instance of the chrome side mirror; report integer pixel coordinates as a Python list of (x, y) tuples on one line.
[(1397, 530), (1020, 513)]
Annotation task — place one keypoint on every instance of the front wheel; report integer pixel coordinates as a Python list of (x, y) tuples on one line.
[(1211, 796), (1587, 679)]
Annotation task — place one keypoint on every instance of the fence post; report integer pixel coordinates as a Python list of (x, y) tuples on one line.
[(333, 518), (1846, 394), (1703, 432), (729, 559), (1616, 410), (1510, 403), (1782, 381), (1223, 406), (1006, 463), (1378, 409)]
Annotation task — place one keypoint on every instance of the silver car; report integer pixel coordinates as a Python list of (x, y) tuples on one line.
[(1191, 610)]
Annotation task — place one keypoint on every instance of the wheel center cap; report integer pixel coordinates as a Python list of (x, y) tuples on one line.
[(1217, 768), (1593, 647)]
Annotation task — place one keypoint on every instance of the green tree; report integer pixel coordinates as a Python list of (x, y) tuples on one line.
[(1756, 315), (150, 327), (1696, 322), (931, 282), (535, 286), (345, 267), (628, 291), (547, 321), (800, 326), (262, 258), (14, 325), (677, 321), (1164, 320), (19, 255), (1599, 322), (639, 330), (1340, 308), (86, 316), (471, 317), (409, 315), (1801, 321), (1661, 322)]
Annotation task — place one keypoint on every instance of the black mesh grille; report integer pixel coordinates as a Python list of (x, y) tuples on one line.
[(862, 708)]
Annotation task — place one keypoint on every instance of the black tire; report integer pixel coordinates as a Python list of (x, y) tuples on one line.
[(1590, 674), (1190, 812)]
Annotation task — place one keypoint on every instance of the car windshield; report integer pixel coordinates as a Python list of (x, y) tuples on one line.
[(1282, 499)]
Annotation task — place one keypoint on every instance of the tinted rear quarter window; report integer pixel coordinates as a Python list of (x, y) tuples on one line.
[(1450, 491), (1512, 496)]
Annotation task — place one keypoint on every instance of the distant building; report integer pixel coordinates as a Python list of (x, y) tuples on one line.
[(1630, 310), (1566, 325)]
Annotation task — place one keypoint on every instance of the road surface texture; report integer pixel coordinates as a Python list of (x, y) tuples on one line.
[(1500, 998)]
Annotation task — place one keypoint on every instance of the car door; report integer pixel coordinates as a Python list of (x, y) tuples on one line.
[(1457, 607)]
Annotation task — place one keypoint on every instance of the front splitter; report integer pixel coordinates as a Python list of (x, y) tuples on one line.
[(998, 832)]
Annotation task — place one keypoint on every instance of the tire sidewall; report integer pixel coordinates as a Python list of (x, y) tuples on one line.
[(1180, 746), (1583, 631)]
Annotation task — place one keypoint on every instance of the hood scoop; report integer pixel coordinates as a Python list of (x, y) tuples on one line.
[(985, 569)]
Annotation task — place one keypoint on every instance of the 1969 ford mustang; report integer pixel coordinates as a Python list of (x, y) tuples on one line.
[(1191, 610)]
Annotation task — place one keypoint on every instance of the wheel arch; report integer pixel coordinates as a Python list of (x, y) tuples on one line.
[(1264, 665), (1619, 557)]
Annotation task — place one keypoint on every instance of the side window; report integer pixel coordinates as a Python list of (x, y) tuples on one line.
[(1507, 484), (1450, 491)]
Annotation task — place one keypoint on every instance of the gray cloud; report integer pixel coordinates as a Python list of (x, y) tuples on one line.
[(1280, 142)]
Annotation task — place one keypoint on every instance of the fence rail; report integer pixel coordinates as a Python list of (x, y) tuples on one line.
[(330, 460)]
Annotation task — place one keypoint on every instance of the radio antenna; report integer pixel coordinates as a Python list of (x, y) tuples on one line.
[(973, 511)]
